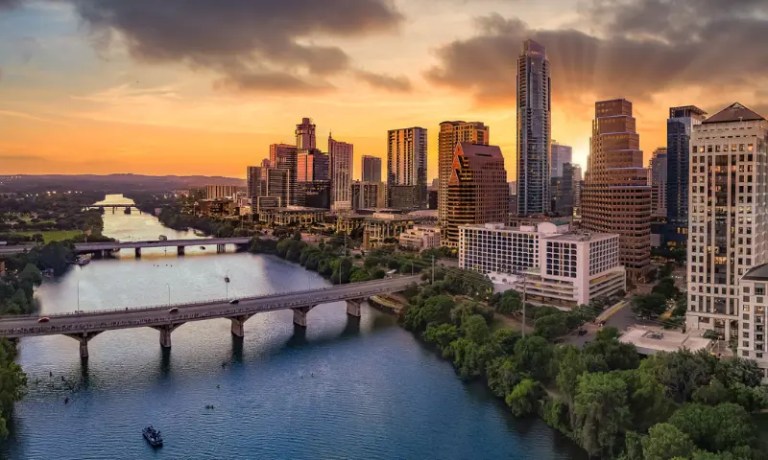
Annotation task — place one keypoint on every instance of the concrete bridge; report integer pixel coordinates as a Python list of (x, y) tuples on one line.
[(107, 246), (83, 326), (113, 206)]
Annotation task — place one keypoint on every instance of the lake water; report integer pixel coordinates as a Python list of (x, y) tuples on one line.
[(343, 388)]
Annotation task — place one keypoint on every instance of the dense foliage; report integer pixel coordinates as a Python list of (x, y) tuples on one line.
[(603, 396), (178, 214)]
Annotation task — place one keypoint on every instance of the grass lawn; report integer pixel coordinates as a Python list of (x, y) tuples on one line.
[(54, 235)]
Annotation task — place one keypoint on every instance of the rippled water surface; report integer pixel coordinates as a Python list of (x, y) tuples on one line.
[(342, 388)]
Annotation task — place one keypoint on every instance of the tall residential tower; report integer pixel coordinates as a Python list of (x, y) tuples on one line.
[(340, 155), (533, 129), (407, 168)]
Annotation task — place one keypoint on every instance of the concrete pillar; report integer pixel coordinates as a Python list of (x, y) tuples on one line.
[(83, 349), (165, 334), (221, 248), (353, 307), (180, 250), (238, 325), (138, 252), (300, 316), (83, 338)]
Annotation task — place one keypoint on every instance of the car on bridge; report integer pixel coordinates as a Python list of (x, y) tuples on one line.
[(234, 301), (173, 310), (44, 319)]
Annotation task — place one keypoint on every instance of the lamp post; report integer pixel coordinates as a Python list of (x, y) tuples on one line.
[(169, 293)]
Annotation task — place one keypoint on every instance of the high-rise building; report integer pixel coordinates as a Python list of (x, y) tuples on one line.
[(368, 195), (728, 221), (311, 165), (257, 183), (215, 192), (451, 133), (533, 129), (279, 186), (305, 135), (407, 168), (315, 194), (371, 168), (340, 159), (616, 197), (285, 157), (679, 128), (477, 190), (657, 175), (561, 154), (563, 191)]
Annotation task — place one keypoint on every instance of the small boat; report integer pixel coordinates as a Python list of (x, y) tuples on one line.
[(226, 279), (153, 436), (84, 259), (202, 247)]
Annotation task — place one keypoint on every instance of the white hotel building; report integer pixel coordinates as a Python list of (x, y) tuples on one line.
[(559, 267), (728, 220)]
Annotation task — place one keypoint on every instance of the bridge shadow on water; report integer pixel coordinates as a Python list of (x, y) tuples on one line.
[(299, 338)]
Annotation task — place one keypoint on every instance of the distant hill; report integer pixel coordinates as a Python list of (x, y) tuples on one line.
[(110, 183)]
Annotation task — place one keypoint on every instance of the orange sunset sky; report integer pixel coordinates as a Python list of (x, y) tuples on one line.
[(203, 87)]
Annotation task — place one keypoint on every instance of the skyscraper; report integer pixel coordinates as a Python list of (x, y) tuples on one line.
[(564, 191), (478, 192), (371, 168), (533, 129), (561, 154), (679, 129), (257, 184), (340, 159), (407, 168), (728, 221), (284, 157), (451, 133), (658, 181), (311, 166), (616, 197), (305, 135)]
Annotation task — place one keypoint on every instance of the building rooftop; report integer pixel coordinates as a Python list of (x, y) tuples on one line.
[(734, 112), (757, 273), (649, 341)]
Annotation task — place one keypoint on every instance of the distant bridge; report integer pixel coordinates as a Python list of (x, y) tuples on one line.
[(83, 326), (108, 246)]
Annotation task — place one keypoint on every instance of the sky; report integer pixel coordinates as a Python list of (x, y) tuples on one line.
[(203, 87)]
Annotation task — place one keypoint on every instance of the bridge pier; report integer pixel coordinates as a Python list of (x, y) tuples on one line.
[(165, 334), (353, 307), (238, 325), (221, 248), (180, 250), (300, 315), (137, 251), (83, 339)]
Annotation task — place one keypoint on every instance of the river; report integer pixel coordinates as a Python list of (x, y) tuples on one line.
[(342, 388)]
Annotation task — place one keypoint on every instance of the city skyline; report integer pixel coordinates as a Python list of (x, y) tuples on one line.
[(112, 97)]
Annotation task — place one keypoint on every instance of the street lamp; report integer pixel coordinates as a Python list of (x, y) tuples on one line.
[(169, 293)]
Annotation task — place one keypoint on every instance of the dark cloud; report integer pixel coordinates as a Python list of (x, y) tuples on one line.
[(240, 38), (624, 57), (273, 82), (7, 4), (386, 82)]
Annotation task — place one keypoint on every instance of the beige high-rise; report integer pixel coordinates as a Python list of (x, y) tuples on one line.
[(452, 133), (616, 197)]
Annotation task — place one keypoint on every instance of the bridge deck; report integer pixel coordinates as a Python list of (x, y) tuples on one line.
[(157, 316)]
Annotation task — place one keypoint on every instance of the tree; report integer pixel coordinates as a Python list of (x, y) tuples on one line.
[(502, 374), (601, 414), (715, 428), (666, 441), (570, 366), (441, 334), (534, 355), (523, 398), (551, 326), (469, 358), (682, 372), (606, 353), (437, 309), (509, 302), (475, 328), (652, 304)]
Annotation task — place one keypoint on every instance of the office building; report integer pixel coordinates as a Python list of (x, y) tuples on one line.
[(679, 129), (368, 195), (305, 135), (371, 167), (657, 179), (312, 165), (533, 129), (407, 168), (615, 197), (215, 192), (340, 158), (452, 133), (477, 189), (257, 183), (754, 308), (315, 194), (278, 187), (556, 265), (420, 237), (285, 157), (561, 154), (563, 191), (728, 218)]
